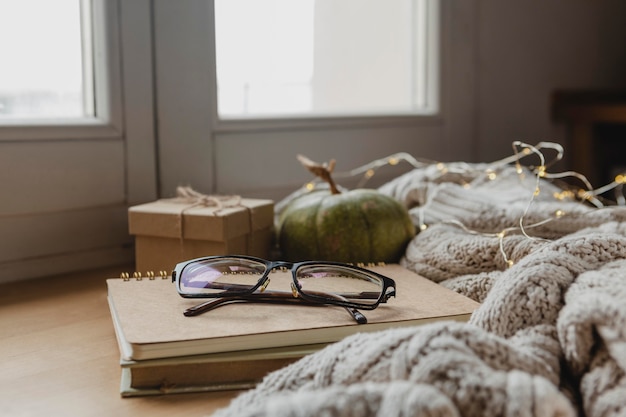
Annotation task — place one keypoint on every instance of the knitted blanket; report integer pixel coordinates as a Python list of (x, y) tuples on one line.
[(549, 338)]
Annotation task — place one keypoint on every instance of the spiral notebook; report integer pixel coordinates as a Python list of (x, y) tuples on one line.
[(149, 322)]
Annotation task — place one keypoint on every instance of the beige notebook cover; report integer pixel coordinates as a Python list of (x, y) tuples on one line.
[(149, 321)]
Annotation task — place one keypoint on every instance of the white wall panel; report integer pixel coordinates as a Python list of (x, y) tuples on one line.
[(62, 232), (185, 92), (264, 164), (39, 177), (138, 76)]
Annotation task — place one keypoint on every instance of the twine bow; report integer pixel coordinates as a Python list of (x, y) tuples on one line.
[(193, 198)]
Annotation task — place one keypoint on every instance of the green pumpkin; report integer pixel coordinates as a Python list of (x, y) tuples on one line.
[(361, 225)]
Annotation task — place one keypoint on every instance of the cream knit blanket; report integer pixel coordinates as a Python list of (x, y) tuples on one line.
[(549, 338)]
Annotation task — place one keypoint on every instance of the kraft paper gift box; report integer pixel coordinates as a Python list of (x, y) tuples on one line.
[(167, 232)]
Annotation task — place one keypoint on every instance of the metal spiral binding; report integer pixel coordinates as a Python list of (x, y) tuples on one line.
[(137, 276)]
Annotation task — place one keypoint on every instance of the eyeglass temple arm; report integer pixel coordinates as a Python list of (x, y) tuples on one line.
[(267, 297), (356, 314)]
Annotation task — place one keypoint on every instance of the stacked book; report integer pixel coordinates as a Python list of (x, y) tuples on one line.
[(236, 345)]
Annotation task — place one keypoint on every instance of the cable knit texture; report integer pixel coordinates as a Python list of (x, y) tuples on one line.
[(549, 338)]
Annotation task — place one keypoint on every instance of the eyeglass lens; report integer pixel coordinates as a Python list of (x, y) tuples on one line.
[(349, 284), (214, 276)]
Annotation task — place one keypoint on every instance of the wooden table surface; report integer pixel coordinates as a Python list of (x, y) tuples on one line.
[(59, 355)]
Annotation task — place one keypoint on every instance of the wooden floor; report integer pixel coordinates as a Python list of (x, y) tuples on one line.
[(59, 356)]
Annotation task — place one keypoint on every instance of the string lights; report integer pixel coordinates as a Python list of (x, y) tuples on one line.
[(585, 194)]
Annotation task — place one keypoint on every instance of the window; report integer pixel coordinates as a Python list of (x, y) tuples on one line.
[(46, 69), (325, 57), (80, 167)]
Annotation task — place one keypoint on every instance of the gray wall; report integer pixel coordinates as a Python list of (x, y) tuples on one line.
[(527, 49)]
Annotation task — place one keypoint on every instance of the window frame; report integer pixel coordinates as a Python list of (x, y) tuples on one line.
[(107, 119), (433, 43)]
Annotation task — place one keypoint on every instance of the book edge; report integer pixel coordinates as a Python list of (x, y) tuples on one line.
[(126, 349), (240, 343), (126, 391), (243, 355)]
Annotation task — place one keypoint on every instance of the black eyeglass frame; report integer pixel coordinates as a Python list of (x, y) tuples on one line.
[(388, 290)]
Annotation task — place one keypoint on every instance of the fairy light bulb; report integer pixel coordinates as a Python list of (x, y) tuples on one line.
[(310, 186), (369, 173), (564, 195), (584, 194), (541, 171), (393, 161)]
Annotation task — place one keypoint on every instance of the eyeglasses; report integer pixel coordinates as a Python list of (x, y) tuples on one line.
[(229, 279)]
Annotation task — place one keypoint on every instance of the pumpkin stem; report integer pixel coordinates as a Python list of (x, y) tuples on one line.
[(321, 170)]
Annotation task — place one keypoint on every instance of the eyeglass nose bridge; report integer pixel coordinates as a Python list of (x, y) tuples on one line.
[(280, 266)]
